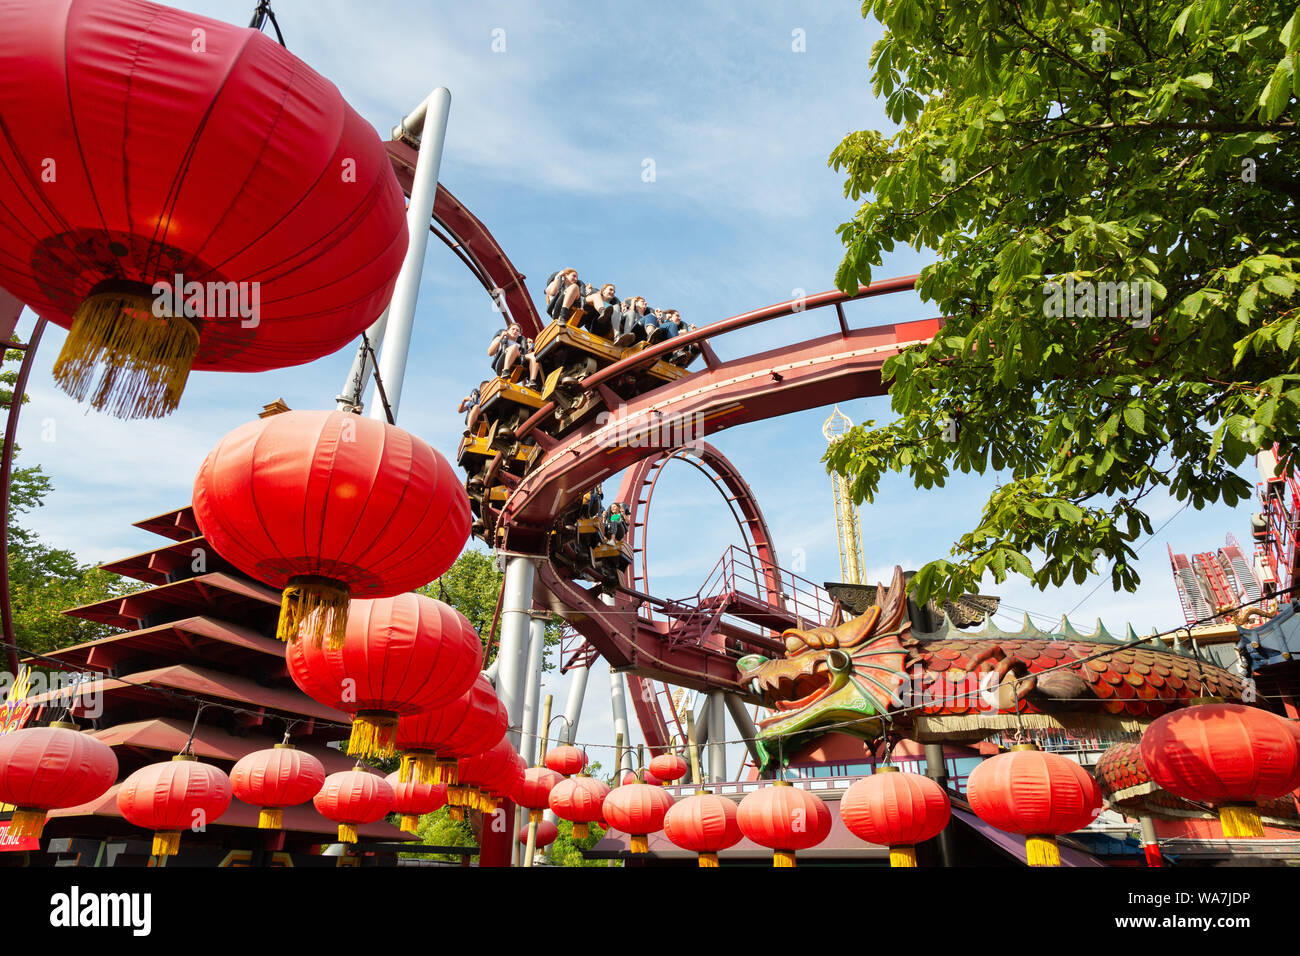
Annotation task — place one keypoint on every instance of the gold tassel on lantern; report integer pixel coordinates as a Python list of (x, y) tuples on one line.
[(456, 813), (347, 833), (640, 844), (427, 767), (409, 822), (1240, 822), (314, 609), (143, 360), (373, 734), (166, 843), (1042, 851), (580, 831), (270, 818), (708, 859), (902, 856), (783, 858), (27, 823)]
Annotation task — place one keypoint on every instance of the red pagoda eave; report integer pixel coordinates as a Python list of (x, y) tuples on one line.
[(169, 734), (177, 524), (204, 638), (198, 681), (163, 565), (216, 593)]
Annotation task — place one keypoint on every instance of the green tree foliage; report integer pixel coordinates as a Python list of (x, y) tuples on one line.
[(1046, 141)]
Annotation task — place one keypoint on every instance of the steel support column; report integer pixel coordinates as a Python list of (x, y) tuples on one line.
[(717, 736)]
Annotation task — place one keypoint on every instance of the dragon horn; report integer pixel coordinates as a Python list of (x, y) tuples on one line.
[(893, 602)]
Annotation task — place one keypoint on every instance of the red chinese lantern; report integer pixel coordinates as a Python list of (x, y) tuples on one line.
[(353, 797), (645, 776), (329, 507), (703, 823), (143, 144), (638, 809), (486, 778), (48, 768), (167, 798), (271, 780), (1229, 755), (581, 801), (534, 791), (1040, 795), (433, 741), (668, 767), (546, 834), (414, 799), (785, 819), (566, 760), (401, 655), (897, 810)]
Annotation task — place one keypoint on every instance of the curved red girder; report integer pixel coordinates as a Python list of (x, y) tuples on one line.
[(474, 240), (637, 492)]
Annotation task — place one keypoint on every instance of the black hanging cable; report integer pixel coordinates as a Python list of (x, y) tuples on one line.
[(261, 14)]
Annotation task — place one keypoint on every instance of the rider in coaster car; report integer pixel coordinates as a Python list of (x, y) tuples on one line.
[(563, 290), (508, 347), (638, 324), (687, 354), (614, 527), (470, 406), (601, 308)]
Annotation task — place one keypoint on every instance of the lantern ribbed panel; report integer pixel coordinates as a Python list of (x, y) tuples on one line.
[(1033, 793), (469, 725), (668, 767), (579, 799), (174, 795), (703, 823), (895, 809), (354, 797), (637, 808), (566, 760), (49, 768), (278, 777), (784, 818), (413, 798), (534, 790)]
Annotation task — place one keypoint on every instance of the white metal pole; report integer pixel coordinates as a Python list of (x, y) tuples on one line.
[(401, 311), (618, 706), (717, 737), (533, 688), (573, 702), (512, 653)]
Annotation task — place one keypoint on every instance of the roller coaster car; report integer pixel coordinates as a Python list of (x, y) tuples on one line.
[(573, 353), (507, 402), (612, 555)]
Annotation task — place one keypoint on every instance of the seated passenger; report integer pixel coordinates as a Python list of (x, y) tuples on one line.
[(563, 289), (638, 324), (470, 406), (614, 527), (600, 308), (595, 503), (689, 353), (510, 347)]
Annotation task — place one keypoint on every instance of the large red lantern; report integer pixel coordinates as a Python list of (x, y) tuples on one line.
[(785, 819), (897, 810), (328, 507), (148, 148), (433, 741), (484, 779), (638, 809), (534, 791), (48, 768), (546, 834), (401, 655), (1229, 755), (351, 798), (566, 760), (668, 767), (581, 801), (271, 780), (414, 799), (167, 798), (705, 824), (1040, 795)]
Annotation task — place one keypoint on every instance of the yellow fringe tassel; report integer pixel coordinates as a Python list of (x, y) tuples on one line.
[(373, 735), (1240, 822), (409, 822), (534, 816), (1042, 851), (444, 771), (456, 813), (270, 818), (314, 609), (902, 856), (580, 831), (640, 844), (167, 843), (708, 859), (27, 823), (143, 360), (783, 858), (347, 833)]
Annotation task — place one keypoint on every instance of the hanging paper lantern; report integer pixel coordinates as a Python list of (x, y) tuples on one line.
[(897, 810), (1040, 795), (137, 161), (668, 767), (638, 809), (433, 741), (171, 797), (785, 819), (353, 797), (401, 655), (328, 507), (534, 791), (414, 799), (705, 824), (485, 779), (48, 768), (1229, 755), (271, 780), (566, 760), (546, 834), (581, 801)]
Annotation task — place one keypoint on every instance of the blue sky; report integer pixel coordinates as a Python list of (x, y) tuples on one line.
[(547, 144)]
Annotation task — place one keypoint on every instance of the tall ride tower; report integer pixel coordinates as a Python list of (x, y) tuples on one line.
[(846, 512)]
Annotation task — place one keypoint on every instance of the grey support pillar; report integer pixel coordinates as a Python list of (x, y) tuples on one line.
[(744, 723), (512, 654), (533, 688), (573, 703), (936, 768), (717, 737)]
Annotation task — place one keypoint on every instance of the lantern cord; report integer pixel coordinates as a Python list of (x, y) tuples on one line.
[(261, 14), (193, 729), (379, 382)]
